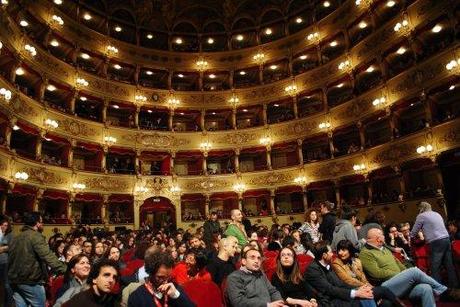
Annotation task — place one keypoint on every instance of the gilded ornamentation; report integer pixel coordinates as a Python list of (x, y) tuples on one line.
[(157, 185), (272, 179), (156, 140), (20, 107), (394, 153), (299, 128), (237, 138), (333, 169), (108, 87), (43, 176), (207, 184), (107, 184), (76, 128), (450, 136), (52, 66)]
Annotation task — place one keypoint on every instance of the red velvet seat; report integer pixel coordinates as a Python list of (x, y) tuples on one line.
[(54, 285), (204, 293), (422, 257)]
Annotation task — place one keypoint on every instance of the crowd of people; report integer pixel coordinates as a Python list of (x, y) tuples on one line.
[(330, 260)]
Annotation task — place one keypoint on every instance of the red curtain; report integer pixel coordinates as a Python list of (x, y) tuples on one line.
[(224, 196), (189, 155), (256, 193), (87, 197), (121, 151), (57, 139), (120, 198), (253, 150), (56, 195), (220, 153), (90, 147), (289, 189), (26, 129), (166, 166), (193, 197), (25, 190)]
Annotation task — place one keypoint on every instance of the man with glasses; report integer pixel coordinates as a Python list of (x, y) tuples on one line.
[(28, 257), (158, 289)]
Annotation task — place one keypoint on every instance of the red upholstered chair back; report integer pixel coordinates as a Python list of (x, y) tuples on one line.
[(422, 257), (304, 262), (204, 293), (54, 285), (456, 250), (269, 264)]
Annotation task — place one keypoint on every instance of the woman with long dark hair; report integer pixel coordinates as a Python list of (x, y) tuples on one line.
[(289, 281), (350, 270), (311, 225)]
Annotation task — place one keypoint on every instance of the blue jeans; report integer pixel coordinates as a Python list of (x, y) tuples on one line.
[(8, 299), (417, 285), (26, 295), (367, 303), (441, 254)]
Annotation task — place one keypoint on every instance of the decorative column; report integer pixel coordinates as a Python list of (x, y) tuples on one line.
[(362, 134), (304, 198), (8, 132), (137, 72), (428, 110), (72, 102), (337, 193), (73, 143), (38, 146), (331, 143), (3, 199), (171, 165), (105, 203), (230, 78), (206, 205), (205, 164), (264, 114), (104, 110), (237, 161), (269, 157), (272, 202), (299, 151), (240, 201), (136, 116), (40, 94), (12, 75), (170, 120), (170, 76), (368, 183), (294, 107), (137, 206), (38, 198), (261, 74), (234, 118), (202, 120), (70, 206), (105, 150), (137, 162)]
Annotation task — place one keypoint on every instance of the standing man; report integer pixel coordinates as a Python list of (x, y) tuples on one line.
[(236, 228), (432, 225), (210, 227), (28, 257), (5, 240), (329, 218)]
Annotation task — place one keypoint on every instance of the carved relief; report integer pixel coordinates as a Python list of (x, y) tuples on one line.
[(157, 185), (207, 184), (76, 128), (394, 153), (450, 137), (155, 140), (107, 87), (272, 179), (43, 176), (237, 138), (107, 184), (21, 107), (333, 169), (52, 66)]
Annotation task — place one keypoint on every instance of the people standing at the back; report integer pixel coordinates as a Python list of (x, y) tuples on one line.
[(311, 225), (345, 229), (328, 221), (236, 228), (211, 227)]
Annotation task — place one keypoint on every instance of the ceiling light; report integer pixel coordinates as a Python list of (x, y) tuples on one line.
[(391, 3), (58, 20), (212, 88), (115, 106), (5, 94), (149, 72), (149, 36), (359, 167), (210, 41), (23, 23), (117, 66), (58, 2), (273, 67), (213, 113), (298, 20), (326, 4), (333, 43), (83, 98), (268, 31), (178, 40), (212, 76), (16, 128), (149, 111), (180, 75), (378, 101), (242, 73), (54, 43), (140, 98), (85, 56), (451, 87), (370, 69), (401, 50), (362, 25), (259, 57), (118, 29), (20, 71), (436, 29), (181, 113), (87, 16), (312, 36), (82, 82), (21, 175), (239, 37), (51, 88), (303, 57), (112, 49), (276, 105), (51, 123), (340, 85), (31, 49), (245, 110), (324, 125)]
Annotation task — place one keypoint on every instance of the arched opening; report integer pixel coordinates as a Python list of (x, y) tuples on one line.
[(158, 212)]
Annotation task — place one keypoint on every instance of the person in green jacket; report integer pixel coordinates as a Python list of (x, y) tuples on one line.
[(236, 228), (29, 256)]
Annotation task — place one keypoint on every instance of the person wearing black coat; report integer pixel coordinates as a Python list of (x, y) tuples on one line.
[(328, 221)]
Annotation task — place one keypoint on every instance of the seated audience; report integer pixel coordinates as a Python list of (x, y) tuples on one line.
[(350, 270), (75, 277), (222, 265), (381, 267), (158, 290), (101, 280), (194, 267), (330, 289), (275, 240), (453, 230), (249, 286), (288, 280)]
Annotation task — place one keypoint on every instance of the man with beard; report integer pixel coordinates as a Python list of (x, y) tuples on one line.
[(158, 289), (28, 257)]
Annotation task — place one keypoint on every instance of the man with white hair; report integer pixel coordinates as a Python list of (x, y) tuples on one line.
[(381, 266), (432, 225)]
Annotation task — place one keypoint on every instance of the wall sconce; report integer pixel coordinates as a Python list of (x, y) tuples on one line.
[(452, 64), (234, 100), (110, 140), (291, 89), (112, 49), (259, 58), (140, 98), (31, 49), (266, 140), (173, 102), (79, 186), (324, 125), (363, 3), (201, 64), (175, 189), (57, 20), (21, 176), (424, 149), (51, 124), (239, 187), (301, 180), (378, 101), (403, 25), (313, 36), (345, 65), (205, 146), (5, 94), (4, 2), (359, 167), (82, 82)]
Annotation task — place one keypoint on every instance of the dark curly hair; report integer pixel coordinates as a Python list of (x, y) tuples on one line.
[(155, 260), (97, 266)]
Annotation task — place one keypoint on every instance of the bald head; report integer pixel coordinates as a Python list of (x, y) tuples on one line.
[(228, 246), (375, 237), (236, 215)]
